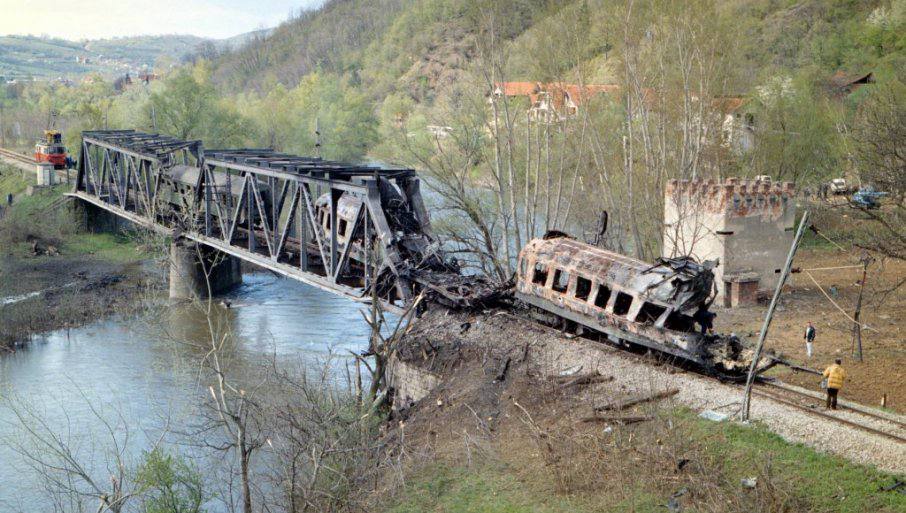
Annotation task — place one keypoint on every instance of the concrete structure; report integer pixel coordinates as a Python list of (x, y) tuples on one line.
[(410, 383), (45, 174), (193, 267), (747, 225), (94, 219)]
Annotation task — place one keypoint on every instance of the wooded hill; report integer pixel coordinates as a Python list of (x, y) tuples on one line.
[(31, 56), (417, 46)]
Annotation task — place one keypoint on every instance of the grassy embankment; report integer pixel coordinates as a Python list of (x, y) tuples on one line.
[(43, 216), (800, 480)]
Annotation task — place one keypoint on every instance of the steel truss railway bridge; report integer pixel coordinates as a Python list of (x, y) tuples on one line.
[(358, 231)]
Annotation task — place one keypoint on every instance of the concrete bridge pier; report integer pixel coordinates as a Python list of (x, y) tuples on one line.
[(94, 219), (194, 266)]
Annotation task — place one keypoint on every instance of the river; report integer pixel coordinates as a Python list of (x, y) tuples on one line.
[(122, 367)]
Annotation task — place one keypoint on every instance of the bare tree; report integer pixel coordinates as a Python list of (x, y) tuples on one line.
[(72, 477), (879, 137)]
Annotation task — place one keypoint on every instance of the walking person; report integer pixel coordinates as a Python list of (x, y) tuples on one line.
[(809, 337), (835, 376)]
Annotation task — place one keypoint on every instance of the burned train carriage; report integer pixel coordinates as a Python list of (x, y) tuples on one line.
[(630, 301)]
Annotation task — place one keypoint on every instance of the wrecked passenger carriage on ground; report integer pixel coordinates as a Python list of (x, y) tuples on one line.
[(627, 300)]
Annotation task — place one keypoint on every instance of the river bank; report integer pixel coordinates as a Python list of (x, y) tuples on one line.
[(46, 293), (54, 275)]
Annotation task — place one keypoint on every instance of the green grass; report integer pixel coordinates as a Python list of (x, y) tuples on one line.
[(44, 206), (482, 489), (824, 483), (107, 246), (11, 182), (812, 241)]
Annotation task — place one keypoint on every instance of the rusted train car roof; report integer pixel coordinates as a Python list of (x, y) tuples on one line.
[(683, 289)]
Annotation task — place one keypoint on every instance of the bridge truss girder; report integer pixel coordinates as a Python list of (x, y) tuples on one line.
[(264, 207)]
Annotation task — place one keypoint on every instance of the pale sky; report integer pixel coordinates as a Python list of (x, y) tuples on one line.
[(95, 19)]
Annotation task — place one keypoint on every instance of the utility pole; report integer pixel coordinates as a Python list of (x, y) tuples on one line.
[(317, 138), (750, 379), (865, 260)]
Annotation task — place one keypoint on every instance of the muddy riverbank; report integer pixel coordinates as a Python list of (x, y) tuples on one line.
[(45, 293)]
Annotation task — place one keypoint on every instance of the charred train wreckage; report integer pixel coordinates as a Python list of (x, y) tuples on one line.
[(355, 230), (364, 232), (662, 306)]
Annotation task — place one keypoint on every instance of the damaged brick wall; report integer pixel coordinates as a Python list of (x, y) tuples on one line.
[(747, 224)]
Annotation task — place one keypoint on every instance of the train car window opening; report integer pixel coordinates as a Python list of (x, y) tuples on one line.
[(341, 229), (603, 296), (561, 281), (583, 288), (623, 304), (677, 321), (539, 275), (650, 312)]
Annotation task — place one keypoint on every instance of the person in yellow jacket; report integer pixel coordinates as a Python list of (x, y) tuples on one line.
[(835, 377)]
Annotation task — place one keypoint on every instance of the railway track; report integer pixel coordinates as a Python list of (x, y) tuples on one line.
[(858, 417), (18, 157)]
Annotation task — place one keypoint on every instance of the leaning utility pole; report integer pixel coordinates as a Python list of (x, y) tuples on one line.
[(865, 260), (750, 379)]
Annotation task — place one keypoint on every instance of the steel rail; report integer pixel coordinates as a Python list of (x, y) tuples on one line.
[(758, 391), (853, 407), (16, 156), (793, 404)]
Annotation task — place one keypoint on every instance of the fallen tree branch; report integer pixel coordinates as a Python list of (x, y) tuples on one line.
[(626, 402), (561, 379), (585, 380), (621, 419)]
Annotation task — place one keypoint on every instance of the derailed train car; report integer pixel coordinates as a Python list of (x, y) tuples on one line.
[(179, 194), (657, 306), (428, 266)]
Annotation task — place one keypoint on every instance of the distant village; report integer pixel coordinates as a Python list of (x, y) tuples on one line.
[(556, 102), (127, 72)]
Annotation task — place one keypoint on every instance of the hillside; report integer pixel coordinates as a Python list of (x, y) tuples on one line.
[(390, 45), (26, 56)]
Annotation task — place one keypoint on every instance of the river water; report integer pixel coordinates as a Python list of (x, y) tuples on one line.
[(129, 374)]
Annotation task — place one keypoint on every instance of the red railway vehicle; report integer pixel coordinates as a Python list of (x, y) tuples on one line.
[(50, 149)]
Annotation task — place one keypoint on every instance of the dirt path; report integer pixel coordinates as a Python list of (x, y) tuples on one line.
[(884, 342)]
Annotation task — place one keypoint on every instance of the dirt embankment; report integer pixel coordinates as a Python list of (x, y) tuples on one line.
[(496, 373), (44, 293), (501, 398)]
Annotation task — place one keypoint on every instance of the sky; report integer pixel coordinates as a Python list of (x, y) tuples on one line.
[(96, 19)]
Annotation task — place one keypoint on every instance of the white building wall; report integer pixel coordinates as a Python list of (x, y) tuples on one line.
[(747, 225)]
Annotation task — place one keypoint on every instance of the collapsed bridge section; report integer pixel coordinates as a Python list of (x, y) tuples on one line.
[(354, 230)]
